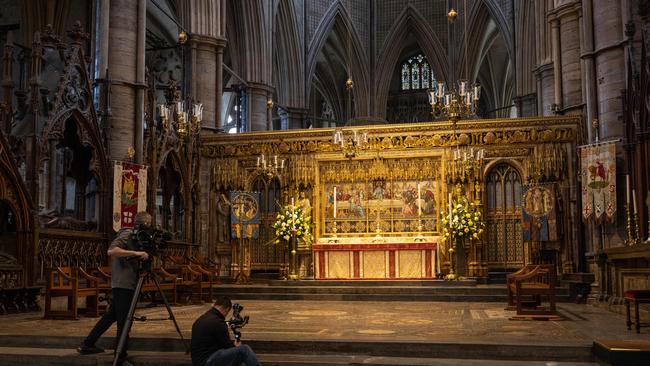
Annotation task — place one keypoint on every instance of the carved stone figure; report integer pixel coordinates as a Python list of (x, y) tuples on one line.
[(223, 218)]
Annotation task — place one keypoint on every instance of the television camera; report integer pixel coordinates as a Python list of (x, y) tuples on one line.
[(237, 321), (150, 240)]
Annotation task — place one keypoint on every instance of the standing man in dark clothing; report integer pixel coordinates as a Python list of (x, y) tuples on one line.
[(211, 343), (124, 277)]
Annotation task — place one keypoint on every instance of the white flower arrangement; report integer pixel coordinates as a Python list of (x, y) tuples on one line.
[(466, 220), (292, 218)]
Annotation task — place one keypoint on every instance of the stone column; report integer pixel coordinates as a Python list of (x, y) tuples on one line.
[(588, 71), (218, 104), (557, 62), (123, 63), (258, 95), (609, 60), (565, 22), (204, 75), (294, 117)]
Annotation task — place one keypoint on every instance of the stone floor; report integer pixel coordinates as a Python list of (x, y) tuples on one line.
[(367, 321)]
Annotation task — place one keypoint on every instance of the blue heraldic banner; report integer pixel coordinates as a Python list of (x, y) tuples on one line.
[(245, 214)]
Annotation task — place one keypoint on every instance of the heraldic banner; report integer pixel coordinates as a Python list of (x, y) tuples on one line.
[(539, 222), (245, 215), (598, 173), (129, 193)]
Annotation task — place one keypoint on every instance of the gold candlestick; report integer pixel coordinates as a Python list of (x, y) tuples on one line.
[(419, 237), (637, 238), (630, 238), (333, 239)]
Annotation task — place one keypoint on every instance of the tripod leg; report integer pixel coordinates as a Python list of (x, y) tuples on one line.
[(129, 321), (169, 310)]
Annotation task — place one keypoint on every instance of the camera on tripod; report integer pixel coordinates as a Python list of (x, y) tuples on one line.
[(237, 321), (150, 240)]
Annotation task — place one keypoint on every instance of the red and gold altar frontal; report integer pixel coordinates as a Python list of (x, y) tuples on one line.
[(376, 194)]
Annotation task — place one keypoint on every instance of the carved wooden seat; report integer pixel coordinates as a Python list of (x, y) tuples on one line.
[(189, 279), (103, 275), (168, 282), (512, 305), (73, 284), (208, 265), (537, 283)]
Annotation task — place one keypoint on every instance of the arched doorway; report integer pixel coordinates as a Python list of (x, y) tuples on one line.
[(265, 255), (505, 250)]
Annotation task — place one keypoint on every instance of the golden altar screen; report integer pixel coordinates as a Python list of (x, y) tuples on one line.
[(385, 218)]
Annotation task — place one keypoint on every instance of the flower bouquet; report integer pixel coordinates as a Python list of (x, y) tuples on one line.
[(289, 219), (464, 222)]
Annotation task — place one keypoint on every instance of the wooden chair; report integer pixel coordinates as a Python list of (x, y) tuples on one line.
[(103, 285), (538, 283), (65, 282), (168, 282), (636, 297), (510, 280), (188, 280), (208, 265)]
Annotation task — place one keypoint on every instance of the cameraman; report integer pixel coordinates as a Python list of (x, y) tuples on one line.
[(211, 343), (124, 277)]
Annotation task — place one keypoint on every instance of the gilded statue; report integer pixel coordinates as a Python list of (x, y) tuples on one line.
[(305, 205)]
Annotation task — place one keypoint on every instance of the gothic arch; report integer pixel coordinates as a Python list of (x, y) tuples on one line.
[(288, 60), (335, 18), (410, 21), (16, 196)]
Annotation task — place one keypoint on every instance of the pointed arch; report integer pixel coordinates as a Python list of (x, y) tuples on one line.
[(410, 21), (15, 195), (338, 20), (288, 60), (483, 17)]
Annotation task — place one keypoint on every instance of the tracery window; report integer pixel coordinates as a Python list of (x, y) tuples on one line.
[(416, 73)]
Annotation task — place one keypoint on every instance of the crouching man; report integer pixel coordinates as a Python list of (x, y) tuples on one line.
[(211, 343)]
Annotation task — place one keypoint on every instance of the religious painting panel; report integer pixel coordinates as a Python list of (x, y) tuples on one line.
[(379, 196)]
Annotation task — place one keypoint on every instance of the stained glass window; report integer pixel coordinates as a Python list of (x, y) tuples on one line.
[(406, 77), (416, 73)]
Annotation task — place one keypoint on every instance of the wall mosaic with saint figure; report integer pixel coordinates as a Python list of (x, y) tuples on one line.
[(384, 196)]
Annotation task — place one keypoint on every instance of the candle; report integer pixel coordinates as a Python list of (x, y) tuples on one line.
[(276, 161), (627, 188), (258, 161), (634, 200), (419, 205), (335, 202), (282, 165), (293, 213)]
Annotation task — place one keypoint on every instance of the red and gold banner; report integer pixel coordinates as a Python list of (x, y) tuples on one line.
[(598, 172), (129, 193)]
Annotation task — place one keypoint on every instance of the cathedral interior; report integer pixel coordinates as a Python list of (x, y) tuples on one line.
[(378, 182)]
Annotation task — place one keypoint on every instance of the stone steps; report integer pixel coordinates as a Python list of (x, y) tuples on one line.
[(25, 350), (372, 292), (49, 356)]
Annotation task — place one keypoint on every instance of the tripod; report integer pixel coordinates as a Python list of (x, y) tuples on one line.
[(145, 267)]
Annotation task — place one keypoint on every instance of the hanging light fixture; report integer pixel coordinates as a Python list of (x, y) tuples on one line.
[(185, 117), (350, 143), (460, 100), (269, 168)]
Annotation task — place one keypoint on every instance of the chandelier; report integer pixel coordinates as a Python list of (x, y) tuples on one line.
[(269, 169), (185, 117), (458, 103), (465, 166), (350, 144)]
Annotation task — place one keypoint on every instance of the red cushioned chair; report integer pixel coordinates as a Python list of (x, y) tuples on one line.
[(637, 297)]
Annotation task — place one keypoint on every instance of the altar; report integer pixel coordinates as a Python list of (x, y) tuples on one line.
[(393, 258)]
